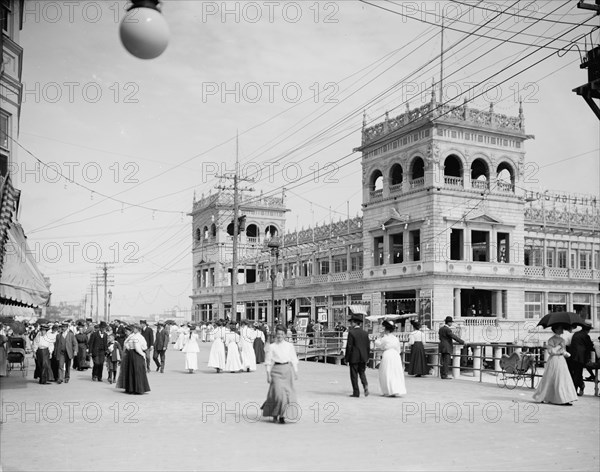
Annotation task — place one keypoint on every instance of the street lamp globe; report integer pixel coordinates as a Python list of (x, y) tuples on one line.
[(144, 32)]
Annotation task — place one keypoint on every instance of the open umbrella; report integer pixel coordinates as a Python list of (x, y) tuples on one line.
[(567, 318)]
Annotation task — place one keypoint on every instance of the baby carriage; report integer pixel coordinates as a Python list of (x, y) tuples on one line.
[(15, 355), (517, 368)]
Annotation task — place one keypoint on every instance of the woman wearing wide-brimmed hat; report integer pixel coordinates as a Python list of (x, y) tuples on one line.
[(282, 369), (556, 385), (391, 372)]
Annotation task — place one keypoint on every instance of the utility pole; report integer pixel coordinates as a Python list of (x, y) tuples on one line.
[(590, 91), (103, 278), (442, 65), (236, 228)]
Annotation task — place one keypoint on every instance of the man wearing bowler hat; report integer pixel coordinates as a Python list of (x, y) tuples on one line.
[(358, 351), (445, 347), (65, 348), (97, 346)]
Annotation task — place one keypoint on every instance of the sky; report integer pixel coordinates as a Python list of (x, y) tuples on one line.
[(135, 140)]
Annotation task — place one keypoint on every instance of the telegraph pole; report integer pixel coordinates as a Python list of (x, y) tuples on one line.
[(236, 229), (103, 278)]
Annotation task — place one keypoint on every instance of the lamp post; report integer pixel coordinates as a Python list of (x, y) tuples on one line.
[(273, 245), (109, 299)]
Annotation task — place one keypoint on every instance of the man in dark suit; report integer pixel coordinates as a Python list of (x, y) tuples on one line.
[(65, 348), (148, 335), (445, 346), (580, 349), (160, 346), (97, 346), (358, 351)]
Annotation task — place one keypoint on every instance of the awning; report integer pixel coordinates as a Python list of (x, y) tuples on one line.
[(21, 282)]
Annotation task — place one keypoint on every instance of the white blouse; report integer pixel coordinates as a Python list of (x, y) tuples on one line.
[(281, 353), (136, 342), (415, 336)]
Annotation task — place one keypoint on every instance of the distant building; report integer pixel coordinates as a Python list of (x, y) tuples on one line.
[(447, 228)]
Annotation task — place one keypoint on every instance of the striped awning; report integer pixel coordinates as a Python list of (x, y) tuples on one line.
[(21, 282)]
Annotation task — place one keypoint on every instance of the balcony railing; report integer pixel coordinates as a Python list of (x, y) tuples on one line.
[(418, 182), (453, 181), (562, 273), (480, 184), (376, 194)]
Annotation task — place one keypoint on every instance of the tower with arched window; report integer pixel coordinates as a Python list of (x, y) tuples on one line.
[(443, 210), (261, 218)]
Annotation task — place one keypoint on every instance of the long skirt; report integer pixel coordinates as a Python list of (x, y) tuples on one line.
[(391, 373), (259, 350), (216, 358), (124, 367), (43, 371), (81, 357), (135, 379), (281, 392), (233, 363), (556, 385), (248, 357), (418, 360), (191, 360)]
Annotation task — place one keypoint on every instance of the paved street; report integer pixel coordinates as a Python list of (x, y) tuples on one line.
[(209, 421)]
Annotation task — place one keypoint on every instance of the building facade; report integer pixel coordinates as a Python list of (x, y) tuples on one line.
[(447, 228), (21, 283)]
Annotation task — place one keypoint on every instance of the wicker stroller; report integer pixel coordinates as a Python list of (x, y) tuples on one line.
[(15, 355)]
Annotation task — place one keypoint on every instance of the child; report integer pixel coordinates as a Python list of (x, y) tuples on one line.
[(113, 358)]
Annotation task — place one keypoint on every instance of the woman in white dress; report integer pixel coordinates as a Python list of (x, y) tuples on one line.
[(247, 337), (233, 363), (181, 334), (556, 385), (191, 350), (391, 372), (216, 358)]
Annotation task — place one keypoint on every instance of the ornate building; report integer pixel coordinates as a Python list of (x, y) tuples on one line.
[(447, 228)]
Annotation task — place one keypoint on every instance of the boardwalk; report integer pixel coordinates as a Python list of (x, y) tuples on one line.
[(209, 421)]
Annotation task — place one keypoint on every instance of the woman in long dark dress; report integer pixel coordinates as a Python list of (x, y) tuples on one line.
[(259, 345), (42, 349), (418, 361), (282, 369), (82, 347), (134, 377)]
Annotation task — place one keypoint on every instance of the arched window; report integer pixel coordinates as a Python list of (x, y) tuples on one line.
[(453, 171), (396, 174), (376, 181), (505, 177), (480, 174), (417, 168)]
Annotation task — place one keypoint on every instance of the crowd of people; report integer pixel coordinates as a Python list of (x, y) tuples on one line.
[(127, 352)]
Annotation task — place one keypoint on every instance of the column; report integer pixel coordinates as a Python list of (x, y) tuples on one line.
[(498, 307), (493, 249), (476, 361), (456, 360), (457, 303), (468, 251)]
